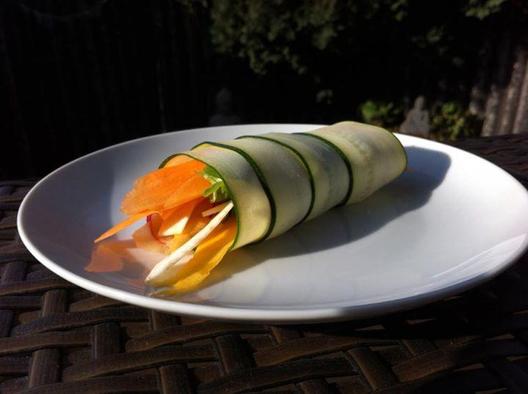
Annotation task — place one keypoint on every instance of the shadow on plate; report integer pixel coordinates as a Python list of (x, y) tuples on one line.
[(426, 171)]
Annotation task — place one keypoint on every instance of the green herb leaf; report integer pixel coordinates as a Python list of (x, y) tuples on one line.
[(217, 192)]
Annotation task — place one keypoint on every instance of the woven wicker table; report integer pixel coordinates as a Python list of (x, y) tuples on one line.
[(58, 338)]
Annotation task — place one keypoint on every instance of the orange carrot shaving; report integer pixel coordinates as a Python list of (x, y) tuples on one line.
[(195, 223), (122, 225), (109, 256), (154, 222), (175, 220), (177, 241), (145, 240), (191, 189), (207, 256), (152, 190), (177, 160), (177, 184)]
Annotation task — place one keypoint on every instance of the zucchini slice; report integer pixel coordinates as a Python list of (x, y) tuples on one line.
[(326, 167), (251, 204), (285, 176), (301, 158), (375, 155), (277, 180)]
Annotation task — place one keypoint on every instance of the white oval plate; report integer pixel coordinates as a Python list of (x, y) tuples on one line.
[(450, 222)]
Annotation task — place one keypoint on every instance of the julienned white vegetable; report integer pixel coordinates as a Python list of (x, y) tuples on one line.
[(184, 253), (214, 210)]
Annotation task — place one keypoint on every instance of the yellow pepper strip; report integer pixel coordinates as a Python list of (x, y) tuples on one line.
[(206, 257)]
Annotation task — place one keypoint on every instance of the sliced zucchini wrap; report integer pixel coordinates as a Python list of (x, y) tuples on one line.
[(375, 155), (285, 176), (219, 196), (328, 170)]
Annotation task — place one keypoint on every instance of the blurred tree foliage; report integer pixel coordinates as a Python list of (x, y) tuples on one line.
[(451, 120), (482, 8), (369, 57), (381, 113)]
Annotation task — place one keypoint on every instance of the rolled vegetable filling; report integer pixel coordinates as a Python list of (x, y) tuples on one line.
[(202, 203)]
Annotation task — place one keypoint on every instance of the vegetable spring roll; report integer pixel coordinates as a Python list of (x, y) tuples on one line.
[(219, 196)]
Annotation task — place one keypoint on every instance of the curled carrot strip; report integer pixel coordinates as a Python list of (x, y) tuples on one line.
[(122, 225), (151, 191)]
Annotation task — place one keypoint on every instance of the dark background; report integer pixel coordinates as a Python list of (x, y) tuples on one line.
[(79, 75)]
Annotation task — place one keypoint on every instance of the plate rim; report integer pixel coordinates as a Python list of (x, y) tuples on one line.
[(263, 315)]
